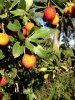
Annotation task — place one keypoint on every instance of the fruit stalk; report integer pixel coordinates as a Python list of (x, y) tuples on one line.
[(3, 27)]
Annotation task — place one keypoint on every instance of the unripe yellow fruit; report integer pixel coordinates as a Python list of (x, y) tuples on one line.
[(4, 39), (55, 20)]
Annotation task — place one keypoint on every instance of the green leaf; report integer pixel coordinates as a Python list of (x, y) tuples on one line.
[(21, 37), (40, 51), (15, 2), (25, 19), (11, 39), (14, 71), (1, 55), (3, 16), (41, 33), (2, 4), (17, 50), (23, 4), (1, 72), (6, 96), (28, 4), (18, 12), (29, 45), (14, 26)]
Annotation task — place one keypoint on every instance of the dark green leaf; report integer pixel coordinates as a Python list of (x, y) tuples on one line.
[(21, 37), (1, 55), (23, 4)]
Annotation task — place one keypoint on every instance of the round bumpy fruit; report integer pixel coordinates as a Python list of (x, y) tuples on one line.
[(49, 12), (66, 10), (4, 39), (29, 60), (3, 80), (55, 20), (24, 31), (29, 26)]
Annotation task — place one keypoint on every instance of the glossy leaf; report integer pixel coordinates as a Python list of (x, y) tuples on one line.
[(40, 51), (18, 12), (17, 50), (14, 26)]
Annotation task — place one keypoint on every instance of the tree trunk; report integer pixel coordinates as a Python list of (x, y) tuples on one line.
[(56, 40)]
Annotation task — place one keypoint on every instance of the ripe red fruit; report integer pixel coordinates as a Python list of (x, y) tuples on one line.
[(44, 19), (24, 31), (29, 60), (3, 80), (49, 12)]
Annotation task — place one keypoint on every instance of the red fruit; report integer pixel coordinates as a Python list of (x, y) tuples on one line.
[(3, 80), (24, 31), (44, 19), (28, 60), (49, 12), (1, 95)]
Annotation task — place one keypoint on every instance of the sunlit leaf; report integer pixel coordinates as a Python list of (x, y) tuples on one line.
[(17, 50), (14, 26)]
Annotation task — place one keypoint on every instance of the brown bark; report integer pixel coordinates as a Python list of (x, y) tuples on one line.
[(56, 40)]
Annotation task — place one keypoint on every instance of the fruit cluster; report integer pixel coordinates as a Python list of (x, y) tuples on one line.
[(69, 8), (26, 28), (51, 15)]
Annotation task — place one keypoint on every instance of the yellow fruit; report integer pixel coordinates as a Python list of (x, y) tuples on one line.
[(46, 76), (55, 21), (66, 10), (43, 69), (4, 39), (29, 26)]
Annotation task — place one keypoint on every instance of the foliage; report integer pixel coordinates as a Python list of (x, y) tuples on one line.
[(57, 82)]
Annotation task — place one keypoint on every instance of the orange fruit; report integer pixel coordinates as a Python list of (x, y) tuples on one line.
[(28, 60), (66, 10), (29, 26), (3, 80), (24, 31), (4, 39), (70, 10), (55, 21), (49, 12)]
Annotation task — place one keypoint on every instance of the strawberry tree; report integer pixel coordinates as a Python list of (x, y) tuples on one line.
[(29, 56)]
